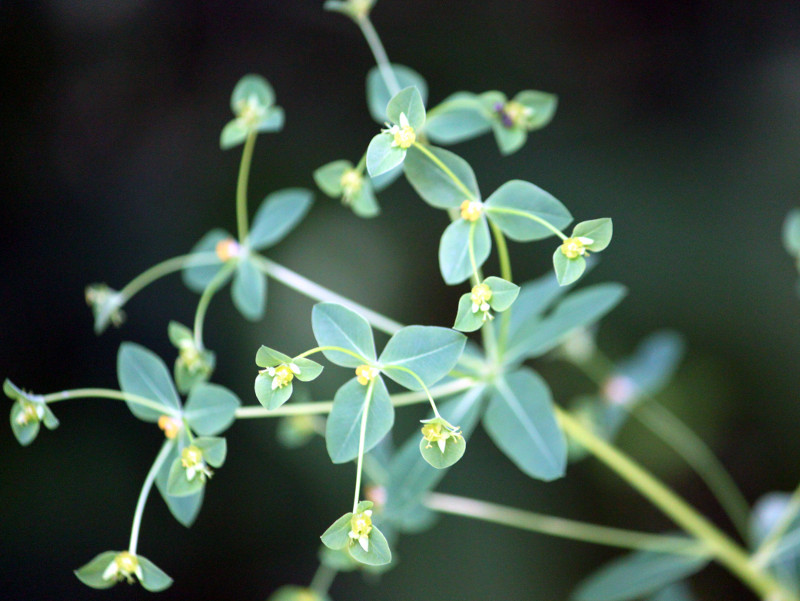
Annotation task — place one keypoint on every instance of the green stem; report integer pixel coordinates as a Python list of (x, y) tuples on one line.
[(505, 273), (471, 248), (146, 487), (323, 579), (398, 400), (164, 268), (378, 51), (319, 293), (104, 393), (361, 440), (421, 383), (241, 186), (447, 171), (722, 547), (205, 299), (530, 216), (561, 527), (769, 545), (362, 163), (339, 349)]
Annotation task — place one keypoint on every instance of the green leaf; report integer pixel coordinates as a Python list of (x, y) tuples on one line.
[(382, 156), (567, 270), (466, 319), (233, 134), (429, 351), (249, 290), (179, 334), (453, 451), (435, 186), (141, 372), (459, 117), (179, 485), (214, 449), (91, 574), (509, 139), (24, 433), (653, 363), (272, 121), (309, 370), (200, 270), (184, 509), (378, 95), (636, 575), (252, 85), (517, 206), (211, 409), (153, 578), (292, 592), (364, 204), (279, 214), (521, 421), (408, 102), (270, 397), (337, 536), (599, 230), (267, 357), (579, 309), (336, 325), (454, 257), (329, 177), (769, 512), (674, 592), (385, 180), (791, 232), (379, 553), (534, 298), (542, 105), (503, 293), (343, 427)]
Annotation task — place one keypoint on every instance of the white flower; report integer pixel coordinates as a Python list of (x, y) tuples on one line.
[(282, 374), (360, 527), (194, 463), (403, 134)]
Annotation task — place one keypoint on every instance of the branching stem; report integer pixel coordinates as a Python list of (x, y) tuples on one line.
[(105, 393), (146, 487)]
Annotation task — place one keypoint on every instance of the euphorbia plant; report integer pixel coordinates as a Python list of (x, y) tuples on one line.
[(487, 380)]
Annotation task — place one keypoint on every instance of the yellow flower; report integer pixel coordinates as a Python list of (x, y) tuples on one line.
[(572, 248), (192, 460), (360, 527), (227, 249), (471, 210), (480, 297), (170, 425), (403, 134), (281, 375), (124, 567), (439, 431), (351, 182), (366, 374)]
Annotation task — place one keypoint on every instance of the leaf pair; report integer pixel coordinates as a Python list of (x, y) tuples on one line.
[(253, 103), (279, 214)]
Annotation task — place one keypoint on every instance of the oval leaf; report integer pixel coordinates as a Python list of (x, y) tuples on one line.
[(279, 214), (435, 186), (382, 156), (454, 258), (201, 268), (516, 207), (249, 290), (408, 102), (336, 325), (211, 409), (429, 351), (378, 95), (459, 117), (143, 373)]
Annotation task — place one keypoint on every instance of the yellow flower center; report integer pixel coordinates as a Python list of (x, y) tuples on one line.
[(361, 524), (126, 562), (227, 249), (191, 457), (29, 414), (405, 137), (572, 248), (283, 375), (471, 210), (250, 110), (518, 113), (481, 294), (365, 374), (433, 433), (351, 182), (170, 425)]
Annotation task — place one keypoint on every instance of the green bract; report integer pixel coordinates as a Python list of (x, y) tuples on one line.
[(459, 117), (189, 471), (142, 373), (473, 308), (274, 383), (568, 260), (110, 567), (193, 364), (106, 305), (365, 542), (512, 120), (406, 112), (217, 254), (378, 94), (252, 102), (27, 412)]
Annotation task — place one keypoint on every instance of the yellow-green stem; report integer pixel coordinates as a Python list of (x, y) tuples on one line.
[(378, 51), (242, 226), (143, 494), (505, 273), (530, 216), (167, 267), (361, 440), (115, 395), (205, 299)]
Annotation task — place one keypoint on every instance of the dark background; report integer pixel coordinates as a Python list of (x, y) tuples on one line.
[(680, 120)]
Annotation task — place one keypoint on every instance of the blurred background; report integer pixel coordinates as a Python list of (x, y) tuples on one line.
[(681, 120)]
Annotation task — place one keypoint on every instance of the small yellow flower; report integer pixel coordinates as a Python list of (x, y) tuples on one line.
[(351, 182), (250, 110), (227, 249), (360, 527), (439, 431), (403, 134), (366, 374), (170, 425), (31, 413), (480, 297), (281, 375), (572, 248), (471, 210), (192, 460), (124, 567)]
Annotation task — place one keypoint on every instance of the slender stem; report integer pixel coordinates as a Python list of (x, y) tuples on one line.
[(471, 249), (766, 550), (378, 51), (447, 171), (362, 163), (361, 440), (165, 268), (530, 216), (722, 547), (702, 460), (338, 349), (421, 383), (322, 580), (398, 400), (502, 252), (205, 299), (242, 226), (105, 393), (313, 290), (146, 487), (561, 527)]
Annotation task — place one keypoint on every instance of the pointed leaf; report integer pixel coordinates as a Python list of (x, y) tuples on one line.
[(517, 207), (503, 293), (233, 134), (468, 320), (211, 409), (542, 106), (91, 574), (364, 204), (337, 536), (343, 428), (653, 363), (453, 451), (329, 177), (143, 373), (179, 485), (408, 102), (382, 156), (153, 578), (309, 370), (184, 509), (509, 138), (429, 351), (201, 269), (270, 397), (279, 214), (25, 433), (636, 575), (378, 554), (599, 230), (433, 184), (521, 421), (459, 117), (214, 449), (568, 271), (336, 325), (378, 95), (249, 290), (454, 257)]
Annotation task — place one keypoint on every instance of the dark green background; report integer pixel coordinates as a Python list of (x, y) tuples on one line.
[(680, 120)]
